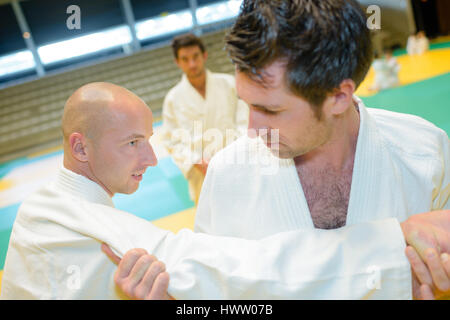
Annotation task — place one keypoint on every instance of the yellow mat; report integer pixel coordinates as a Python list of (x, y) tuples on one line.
[(413, 69), (5, 184), (177, 221)]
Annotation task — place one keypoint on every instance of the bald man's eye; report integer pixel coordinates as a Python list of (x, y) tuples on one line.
[(133, 143)]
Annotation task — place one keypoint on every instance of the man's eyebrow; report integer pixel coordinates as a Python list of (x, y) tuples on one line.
[(268, 107), (134, 136), (260, 106)]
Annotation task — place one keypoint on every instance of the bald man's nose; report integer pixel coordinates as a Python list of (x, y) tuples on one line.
[(149, 157)]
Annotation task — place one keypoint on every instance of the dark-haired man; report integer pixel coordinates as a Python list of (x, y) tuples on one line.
[(337, 164), (201, 101), (334, 162)]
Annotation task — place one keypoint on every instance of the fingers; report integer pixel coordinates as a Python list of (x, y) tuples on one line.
[(445, 259), (128, 261), (146, 272), (418, 266), (426, 293), (141, 276), (438, 273), (107, 250), (160, 286)]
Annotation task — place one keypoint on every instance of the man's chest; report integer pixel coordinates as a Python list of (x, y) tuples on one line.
[(209, 101), (327, 195)]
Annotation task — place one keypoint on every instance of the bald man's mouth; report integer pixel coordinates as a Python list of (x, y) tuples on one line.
[(138, 175)]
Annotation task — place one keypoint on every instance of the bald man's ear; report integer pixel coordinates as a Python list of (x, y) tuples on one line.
[(78, 147)]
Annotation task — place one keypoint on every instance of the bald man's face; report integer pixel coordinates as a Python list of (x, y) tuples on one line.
[(119, 155)]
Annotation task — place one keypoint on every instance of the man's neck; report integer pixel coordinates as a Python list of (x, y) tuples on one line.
[(338, 153), (87, 174), (199, 83)]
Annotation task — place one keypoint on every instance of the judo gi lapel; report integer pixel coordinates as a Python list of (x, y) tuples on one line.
[(374, 178), (82, 187), (374, 175), (286, 199), (193, 101)]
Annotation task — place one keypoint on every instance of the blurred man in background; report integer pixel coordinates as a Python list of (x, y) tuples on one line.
[(386, 72), (201, 101), (417, 44)]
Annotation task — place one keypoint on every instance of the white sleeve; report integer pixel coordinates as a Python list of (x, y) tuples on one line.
[(441, 193), (202, 221), (354, 262), (177, 137), (364, 261)]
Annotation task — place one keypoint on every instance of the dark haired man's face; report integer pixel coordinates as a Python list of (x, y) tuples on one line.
[(274, 106), (191, 61)]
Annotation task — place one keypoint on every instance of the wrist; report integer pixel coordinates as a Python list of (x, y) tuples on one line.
[(404, 227)]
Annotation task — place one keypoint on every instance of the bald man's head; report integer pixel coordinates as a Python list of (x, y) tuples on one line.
[(106, 132), (93, 107)]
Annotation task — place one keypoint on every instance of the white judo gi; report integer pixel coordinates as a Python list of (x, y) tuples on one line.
[(401, 167), (185, 109), (417, 45), (386, 73), (54, 253)]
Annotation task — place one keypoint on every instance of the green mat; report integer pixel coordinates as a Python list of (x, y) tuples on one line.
[(429, 99), (433, 46)]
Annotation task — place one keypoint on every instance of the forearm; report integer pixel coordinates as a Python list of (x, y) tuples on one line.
[(361, 261)]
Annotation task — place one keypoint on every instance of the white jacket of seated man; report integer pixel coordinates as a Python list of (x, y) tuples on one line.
[(187, 117)]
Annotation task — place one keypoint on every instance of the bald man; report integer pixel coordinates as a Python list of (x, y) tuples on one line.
[(105, 137), (54, 250)]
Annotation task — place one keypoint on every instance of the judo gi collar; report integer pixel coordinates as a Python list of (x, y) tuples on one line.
[(80, 186)]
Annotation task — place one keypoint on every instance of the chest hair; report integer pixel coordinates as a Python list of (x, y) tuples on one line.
[(327, 193)]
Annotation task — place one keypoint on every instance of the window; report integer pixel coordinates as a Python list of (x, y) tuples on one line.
[(83, 45), (217, 12)]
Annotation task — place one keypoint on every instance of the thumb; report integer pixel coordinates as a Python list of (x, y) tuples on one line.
[(107, 250)]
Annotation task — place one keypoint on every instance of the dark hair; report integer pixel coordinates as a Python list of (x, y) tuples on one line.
[(322, 42), (186, 40)]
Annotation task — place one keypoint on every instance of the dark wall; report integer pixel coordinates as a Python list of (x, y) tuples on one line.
[(143, 9), (428, 16), (47, 18), (10, 35), (443, 11)]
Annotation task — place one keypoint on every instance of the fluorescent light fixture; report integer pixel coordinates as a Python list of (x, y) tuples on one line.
[(217, 12), (155, 27), (90, 43), (16, 62)]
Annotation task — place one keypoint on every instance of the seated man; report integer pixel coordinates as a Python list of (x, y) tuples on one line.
[(386, 72), (54, 246)]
